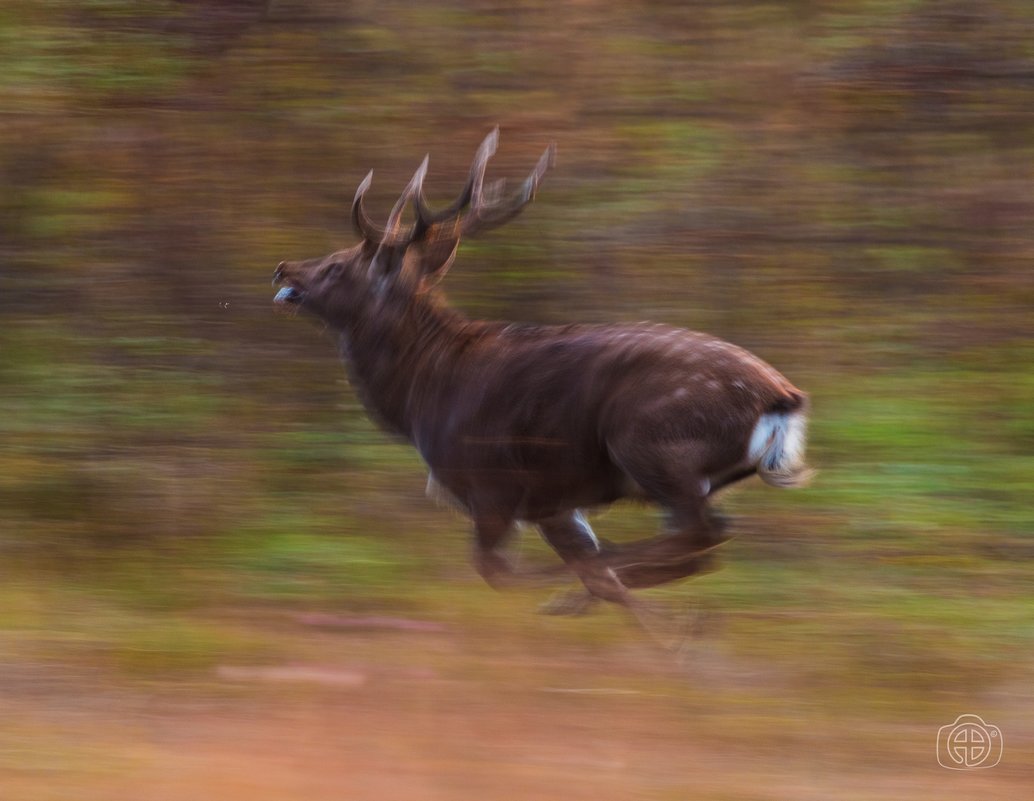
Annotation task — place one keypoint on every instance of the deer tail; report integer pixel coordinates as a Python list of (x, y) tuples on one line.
[(778, 441)]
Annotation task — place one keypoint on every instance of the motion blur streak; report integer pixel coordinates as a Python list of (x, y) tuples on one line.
[(218, 580)]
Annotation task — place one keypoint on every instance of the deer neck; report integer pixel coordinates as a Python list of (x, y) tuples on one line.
[(399, 351)]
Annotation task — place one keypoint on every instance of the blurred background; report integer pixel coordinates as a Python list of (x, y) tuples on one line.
[(219, 580)]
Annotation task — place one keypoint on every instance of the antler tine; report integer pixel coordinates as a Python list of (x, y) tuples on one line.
[(412, 188), (426, 218), (484, 216), (367, 228)]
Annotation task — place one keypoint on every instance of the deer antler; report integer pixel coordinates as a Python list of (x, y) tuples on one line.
[(391, 237), (426, 218), (414, 187), (487, 214), (487, 208), (366, 228), (389, 234)]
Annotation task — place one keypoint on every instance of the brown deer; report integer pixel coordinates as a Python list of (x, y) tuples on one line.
[(537, 423)]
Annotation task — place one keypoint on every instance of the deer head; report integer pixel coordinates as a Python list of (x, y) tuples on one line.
[(341, 286)]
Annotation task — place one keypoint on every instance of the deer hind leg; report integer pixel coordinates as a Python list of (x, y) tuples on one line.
[(572, 538), (683, 550), (643, 576), (661, 560), (668, 477)]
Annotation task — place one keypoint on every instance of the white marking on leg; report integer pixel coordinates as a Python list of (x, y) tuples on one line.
[(583, 524)]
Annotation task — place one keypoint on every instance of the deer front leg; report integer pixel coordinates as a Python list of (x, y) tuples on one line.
[(573, 540), (491, 533)]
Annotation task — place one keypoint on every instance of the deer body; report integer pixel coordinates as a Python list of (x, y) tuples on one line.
[(535, 423)]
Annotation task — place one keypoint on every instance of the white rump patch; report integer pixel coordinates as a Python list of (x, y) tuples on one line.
[(777, 448)]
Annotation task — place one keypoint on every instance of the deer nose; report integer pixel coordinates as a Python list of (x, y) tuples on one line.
[(288, 294), (278, 276)]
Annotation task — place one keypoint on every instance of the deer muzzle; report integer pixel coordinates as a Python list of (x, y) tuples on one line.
[(288, 295)]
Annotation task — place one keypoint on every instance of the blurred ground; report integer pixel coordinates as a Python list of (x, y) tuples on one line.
[(451, 714), (842, 187)]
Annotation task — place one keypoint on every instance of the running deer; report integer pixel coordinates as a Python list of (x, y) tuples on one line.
[(537, 423)]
